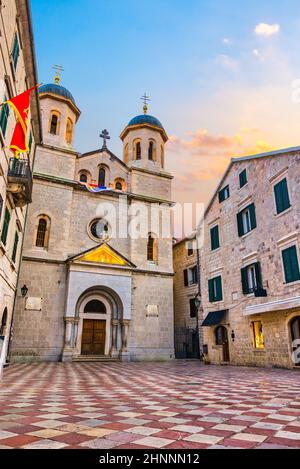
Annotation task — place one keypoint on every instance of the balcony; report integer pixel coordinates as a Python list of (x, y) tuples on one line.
[(20, 181)]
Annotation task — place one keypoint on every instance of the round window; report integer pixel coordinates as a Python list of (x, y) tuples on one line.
[(99, 229)]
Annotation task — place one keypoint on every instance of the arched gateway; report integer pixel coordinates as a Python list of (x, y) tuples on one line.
[(98, 327)]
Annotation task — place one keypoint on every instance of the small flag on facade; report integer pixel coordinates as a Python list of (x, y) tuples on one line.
[(20, 104), (94, 187)]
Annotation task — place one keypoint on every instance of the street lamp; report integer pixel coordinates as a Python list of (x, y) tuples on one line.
[(24, 290)]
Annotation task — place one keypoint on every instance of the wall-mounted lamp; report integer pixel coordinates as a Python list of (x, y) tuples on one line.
[(233, 336), (24, 290)]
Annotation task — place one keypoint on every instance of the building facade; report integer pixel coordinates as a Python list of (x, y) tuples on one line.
[(17, 74), (250, 263), (97, 287), (187, 313)]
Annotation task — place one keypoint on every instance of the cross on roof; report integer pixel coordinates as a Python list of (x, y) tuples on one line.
[(58, 69), (105, 135), (145, 100)]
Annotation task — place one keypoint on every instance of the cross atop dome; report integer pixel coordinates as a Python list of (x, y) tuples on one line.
[(58, 69), (145, 99)]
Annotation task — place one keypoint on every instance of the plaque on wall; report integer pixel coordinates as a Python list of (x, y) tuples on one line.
[(33, 304), (152, 311)]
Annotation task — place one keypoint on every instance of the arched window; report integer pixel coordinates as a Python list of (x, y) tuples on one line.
[(69, 131), (42, 232), (83, 177), (162, 156), (54, 123), (151, 151), (3, 322), (95, 306), (151, 248), (137, 150), (126, 153), (120, 184), (102, 177)]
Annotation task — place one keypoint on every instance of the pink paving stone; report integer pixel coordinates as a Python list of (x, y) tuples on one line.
[(18, 441), (81, 389)]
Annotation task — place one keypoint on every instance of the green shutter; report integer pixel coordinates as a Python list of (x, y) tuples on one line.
[(240, 224), (252, 216), (245, 284), (215, 238), (291, 265), (4, 117), (186, 280), (218, 281), (282, 196), (211, 291), (16, 50), (15, 249), (258, 275), (243, 178), (5, 226)]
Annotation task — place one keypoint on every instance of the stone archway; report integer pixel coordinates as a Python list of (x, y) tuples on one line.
[(91, 325)]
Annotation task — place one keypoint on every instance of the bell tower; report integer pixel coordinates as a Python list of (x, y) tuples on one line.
[(144, 140), (59, 114)]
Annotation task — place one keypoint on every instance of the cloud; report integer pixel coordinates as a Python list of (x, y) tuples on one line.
[(204, 156), (267, 30), (227, 41)]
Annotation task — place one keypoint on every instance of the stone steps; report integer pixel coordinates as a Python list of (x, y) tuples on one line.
[(94, 358)]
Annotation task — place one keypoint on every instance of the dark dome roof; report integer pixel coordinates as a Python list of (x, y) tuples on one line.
[(145, 119), (57, 89)]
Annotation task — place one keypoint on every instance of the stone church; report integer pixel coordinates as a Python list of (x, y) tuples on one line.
[(87, 292)]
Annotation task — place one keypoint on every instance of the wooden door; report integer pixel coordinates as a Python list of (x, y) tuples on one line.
[(93, 337), (222, 339)]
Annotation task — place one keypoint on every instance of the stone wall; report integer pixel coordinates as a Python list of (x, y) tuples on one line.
[(263, 245)]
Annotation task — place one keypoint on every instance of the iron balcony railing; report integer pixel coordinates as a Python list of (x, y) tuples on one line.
[(19, 172)]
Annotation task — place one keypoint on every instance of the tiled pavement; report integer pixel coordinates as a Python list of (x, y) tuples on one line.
[(148, 405)]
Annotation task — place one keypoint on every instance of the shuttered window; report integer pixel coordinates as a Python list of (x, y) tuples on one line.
[(1, 206), (251, 278), (282, 196), (224, 194), (243, 178), (215, 238), (15, 248), (215, 289), (246, 220), (290, 264), (4, 116), (190, 276), (16, 51), (5, 226)]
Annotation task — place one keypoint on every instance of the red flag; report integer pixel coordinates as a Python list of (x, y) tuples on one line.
[(20, 104)]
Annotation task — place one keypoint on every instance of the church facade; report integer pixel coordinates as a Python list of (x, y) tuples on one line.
[(93, 288)]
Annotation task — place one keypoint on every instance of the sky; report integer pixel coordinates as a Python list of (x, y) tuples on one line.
[(223, 76)]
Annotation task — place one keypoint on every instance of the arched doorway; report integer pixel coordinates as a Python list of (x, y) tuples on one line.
[(3, 323), (222, 339), (93, 330), (295, 336)]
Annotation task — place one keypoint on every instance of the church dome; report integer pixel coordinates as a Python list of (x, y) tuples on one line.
[(145, 119), (58, 90)]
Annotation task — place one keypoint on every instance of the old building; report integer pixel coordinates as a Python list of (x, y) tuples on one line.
[(186, 293), (94, 289), (250, 263), (17, 74)]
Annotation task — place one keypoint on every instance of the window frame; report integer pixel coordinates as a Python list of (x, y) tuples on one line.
[(250, 210), (16, 49), (215, 289), (243, 178), (224, 194), (15, 247), (215, 229), (4, 114), (5, 226), (276, 202), (288, 248), (255, 338)]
